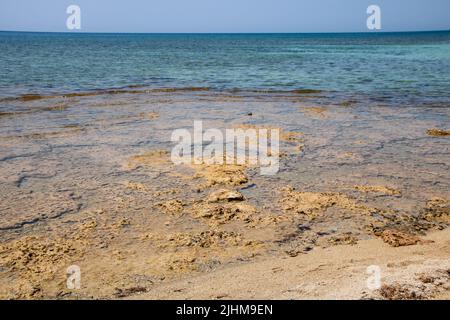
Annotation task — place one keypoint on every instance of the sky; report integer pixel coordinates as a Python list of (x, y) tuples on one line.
[(223, 16)]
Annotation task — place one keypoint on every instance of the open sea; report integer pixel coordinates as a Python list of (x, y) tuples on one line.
[(391, 68)]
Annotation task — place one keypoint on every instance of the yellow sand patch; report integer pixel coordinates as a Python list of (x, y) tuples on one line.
[(37, 259), (314, 112), (225, 174), (172, 207), (149, 115), (153, 158), (205, 239), (312, 204), (216, 214), (378, 189), (137, 186)]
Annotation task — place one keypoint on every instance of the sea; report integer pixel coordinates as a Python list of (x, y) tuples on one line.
[(395, 69)]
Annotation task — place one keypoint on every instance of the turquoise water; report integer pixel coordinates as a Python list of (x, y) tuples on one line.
[(395, 68)]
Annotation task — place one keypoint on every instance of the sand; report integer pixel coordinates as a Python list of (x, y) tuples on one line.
[(338, 272)]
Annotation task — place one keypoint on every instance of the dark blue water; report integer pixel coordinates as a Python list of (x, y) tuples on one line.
[(398, 68)]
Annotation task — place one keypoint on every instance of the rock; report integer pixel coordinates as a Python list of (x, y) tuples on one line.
[(220, 213), (398, 239), (122, 293), (312, 204), (225, 195), (205, 239), (172, 207), (399, 292), (379, 189), (221, 174), (438, 132)]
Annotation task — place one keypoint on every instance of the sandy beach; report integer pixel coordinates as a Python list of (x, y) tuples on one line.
[(339, 272), (87, 181)]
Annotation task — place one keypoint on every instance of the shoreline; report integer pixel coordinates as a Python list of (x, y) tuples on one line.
[(142, 89), (337, 272)]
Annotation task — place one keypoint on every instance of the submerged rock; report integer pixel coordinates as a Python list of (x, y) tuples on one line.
[(438, 132), (225, 195)]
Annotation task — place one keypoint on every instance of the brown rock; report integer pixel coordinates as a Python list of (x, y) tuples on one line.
[(438, 132), (225, 195), (398, 239), (399, 292)]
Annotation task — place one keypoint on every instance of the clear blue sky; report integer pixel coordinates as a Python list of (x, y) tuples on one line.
[(224, 15)]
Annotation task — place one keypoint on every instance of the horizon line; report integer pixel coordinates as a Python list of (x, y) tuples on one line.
[(228, 33)]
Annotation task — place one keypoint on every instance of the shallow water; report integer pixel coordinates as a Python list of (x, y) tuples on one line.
[(76, 146)]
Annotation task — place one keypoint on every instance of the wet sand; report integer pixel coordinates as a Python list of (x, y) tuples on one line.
[(87, 180)]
